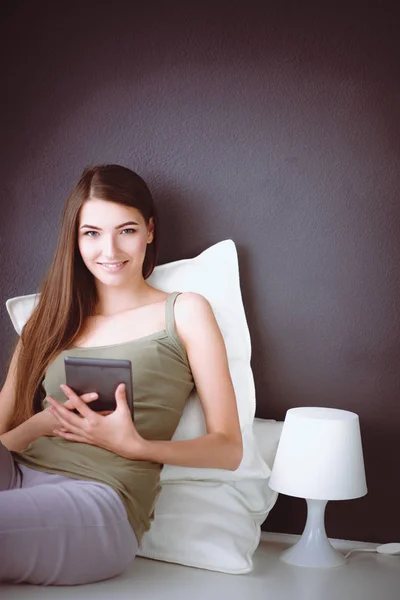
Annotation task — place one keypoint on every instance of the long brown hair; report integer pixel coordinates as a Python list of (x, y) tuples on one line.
[(68, 295)]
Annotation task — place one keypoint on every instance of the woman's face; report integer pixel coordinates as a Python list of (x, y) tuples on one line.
[(112, 240)]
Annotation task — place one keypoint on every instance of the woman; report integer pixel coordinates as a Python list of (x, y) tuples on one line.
[(78, 487)]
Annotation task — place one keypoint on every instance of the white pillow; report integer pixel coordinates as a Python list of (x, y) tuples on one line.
[(267, 433), (214, 525), (215, 275)]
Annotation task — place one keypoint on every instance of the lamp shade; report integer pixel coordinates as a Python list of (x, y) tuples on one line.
[(320, 455)]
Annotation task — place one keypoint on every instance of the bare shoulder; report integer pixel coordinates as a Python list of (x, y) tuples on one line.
[(191, 304), (194, 317)]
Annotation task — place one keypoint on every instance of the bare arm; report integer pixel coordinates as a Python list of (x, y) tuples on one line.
[(19, 438), (213, 451), (221, 447), (7, 394)]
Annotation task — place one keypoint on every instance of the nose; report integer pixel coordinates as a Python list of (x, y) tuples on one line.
[(110, 247)]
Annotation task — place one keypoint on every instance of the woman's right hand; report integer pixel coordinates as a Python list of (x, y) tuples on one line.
[(48, 422)]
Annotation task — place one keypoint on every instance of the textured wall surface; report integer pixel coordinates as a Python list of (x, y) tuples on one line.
[(274, 124)]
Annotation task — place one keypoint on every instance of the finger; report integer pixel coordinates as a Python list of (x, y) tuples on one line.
[(77, 402), (120, 397), (70, 436), (64, 425), (87, 398), (66, 416)]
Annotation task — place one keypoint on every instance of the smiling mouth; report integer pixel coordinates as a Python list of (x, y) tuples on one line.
[(113, 267)]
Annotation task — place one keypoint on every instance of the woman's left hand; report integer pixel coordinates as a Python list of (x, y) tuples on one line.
[(115, 432)]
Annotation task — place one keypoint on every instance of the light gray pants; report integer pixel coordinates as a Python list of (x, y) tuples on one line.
[(55, 530)]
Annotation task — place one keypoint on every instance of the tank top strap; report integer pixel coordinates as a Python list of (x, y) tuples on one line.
[(169, 314), (171, 329)]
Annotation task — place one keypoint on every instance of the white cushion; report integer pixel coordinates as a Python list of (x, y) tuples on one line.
[(20, 309), (224, 497), (267, 433), (211, 525)]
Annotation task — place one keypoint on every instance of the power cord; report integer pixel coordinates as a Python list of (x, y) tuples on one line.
[(391, 548)]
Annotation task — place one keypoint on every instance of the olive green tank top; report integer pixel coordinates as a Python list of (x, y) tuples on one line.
[(162, 382)]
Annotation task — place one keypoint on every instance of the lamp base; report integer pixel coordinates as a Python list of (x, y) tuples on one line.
[(313, 548)]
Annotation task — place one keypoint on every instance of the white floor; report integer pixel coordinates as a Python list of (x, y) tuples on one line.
[(366, 576)]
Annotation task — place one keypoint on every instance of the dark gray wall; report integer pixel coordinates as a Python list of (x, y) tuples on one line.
[(274, 124)]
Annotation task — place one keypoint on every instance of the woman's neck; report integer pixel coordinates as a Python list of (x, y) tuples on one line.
[(113, 300)]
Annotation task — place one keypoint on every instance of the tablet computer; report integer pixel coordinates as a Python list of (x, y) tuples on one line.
[(100, 375)]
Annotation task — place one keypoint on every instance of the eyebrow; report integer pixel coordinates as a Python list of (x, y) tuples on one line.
[(117, 227)]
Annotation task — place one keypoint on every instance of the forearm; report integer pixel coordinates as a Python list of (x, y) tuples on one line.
[(213, 451), (19, 438)]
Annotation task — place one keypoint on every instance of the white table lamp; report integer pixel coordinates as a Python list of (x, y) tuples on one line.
[(319, 458)]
